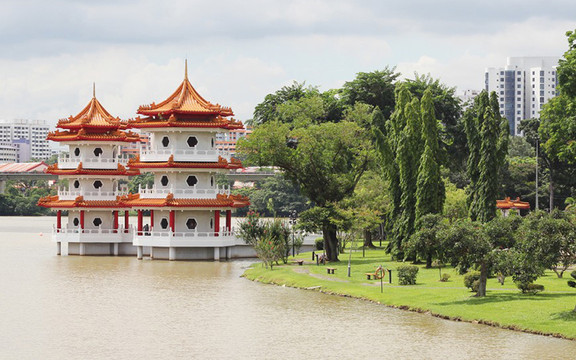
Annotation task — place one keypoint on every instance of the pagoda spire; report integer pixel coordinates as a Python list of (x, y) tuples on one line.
[(186, 69), (94, 89)]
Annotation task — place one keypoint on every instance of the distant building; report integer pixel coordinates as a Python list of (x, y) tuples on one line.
[(29, 137), (133, 149), (227, 141), (8, 153), (468, 96), (523, 86)]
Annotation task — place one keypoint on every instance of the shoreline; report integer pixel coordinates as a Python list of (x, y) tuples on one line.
[(275, 278)]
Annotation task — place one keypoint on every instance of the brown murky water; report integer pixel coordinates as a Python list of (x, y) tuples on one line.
[(55, 307)]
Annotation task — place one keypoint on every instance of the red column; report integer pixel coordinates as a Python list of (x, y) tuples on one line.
[(81, 219), (228, 220), (126, 221), (216, 222), (140, 225), (59, 220), (172, 221), (151, 219), (115, 215)]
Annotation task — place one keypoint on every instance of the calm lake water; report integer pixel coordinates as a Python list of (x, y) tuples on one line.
[(54, 307)]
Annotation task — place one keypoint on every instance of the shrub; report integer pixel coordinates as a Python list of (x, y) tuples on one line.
[(472, 280), (444, 277), (319, 244), (573, 274), (572, 283), (530, 288), (407, 274)]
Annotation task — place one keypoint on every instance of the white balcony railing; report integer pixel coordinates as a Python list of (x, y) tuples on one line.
[(193, 192), (186, 239), (67, 162), (75, 234), (66, 194), (183, 155)]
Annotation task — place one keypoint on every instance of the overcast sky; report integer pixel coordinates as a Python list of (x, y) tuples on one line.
[(239, 51)]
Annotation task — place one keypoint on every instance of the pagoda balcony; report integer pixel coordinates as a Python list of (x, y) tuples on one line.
[(67, 162), (189, 193), (66, 194), (77, 235), (183, 155), (186, 239)]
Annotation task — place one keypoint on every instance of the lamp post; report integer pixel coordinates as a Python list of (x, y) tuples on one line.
[(293, 220)]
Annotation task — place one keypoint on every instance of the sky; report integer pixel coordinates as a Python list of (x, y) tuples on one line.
[(239, 51)]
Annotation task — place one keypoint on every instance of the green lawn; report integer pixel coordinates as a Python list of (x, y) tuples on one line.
[(549, 312)]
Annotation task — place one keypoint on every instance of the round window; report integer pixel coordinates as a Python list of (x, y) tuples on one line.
[(191, 224), (97, 184), (191, 180), (164, 180), (98, 151), (165, 141), (76, 184), (164, 223), (97, 222), (77, 151), (76, 222), (192, 141)]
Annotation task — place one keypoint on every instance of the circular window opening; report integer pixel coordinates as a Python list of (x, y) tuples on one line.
[(76, 184), (212, 143), (165, 141), (192, 141), (211, 223), (76, 222), (164, 180), (98, 151), (77, 151), (97, 222), (211, 180), (191, 180), (191, 224), (97, 184), (164, 223)]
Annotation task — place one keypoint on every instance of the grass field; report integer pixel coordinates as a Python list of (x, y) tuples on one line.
[(549, 312)]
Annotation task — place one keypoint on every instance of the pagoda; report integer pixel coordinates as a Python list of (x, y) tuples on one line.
[(94, 196), (185, 203)]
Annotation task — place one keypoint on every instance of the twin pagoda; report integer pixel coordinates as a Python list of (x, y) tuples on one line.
[(184, 215)]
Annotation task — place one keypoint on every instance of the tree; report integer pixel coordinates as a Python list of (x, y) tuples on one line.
[(374, 88), (267, 110), (487, 135), (430, 191), (425, 242), (325, 161)]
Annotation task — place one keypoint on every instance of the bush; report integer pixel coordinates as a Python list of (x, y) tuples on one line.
[(472, 280), (572, 283), (444, 277), (573, 274), (319, 244), (407, 274), (530, 288)]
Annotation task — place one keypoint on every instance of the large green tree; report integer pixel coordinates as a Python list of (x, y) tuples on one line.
[(325, 160)]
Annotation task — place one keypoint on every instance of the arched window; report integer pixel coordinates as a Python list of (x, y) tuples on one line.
[(76, 222), (77, 151), (97, 222), (97, 184), (165, 141), (76, 184), (98, 151)]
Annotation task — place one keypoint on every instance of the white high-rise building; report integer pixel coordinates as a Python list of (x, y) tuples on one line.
[(523, 86), (34, 131)]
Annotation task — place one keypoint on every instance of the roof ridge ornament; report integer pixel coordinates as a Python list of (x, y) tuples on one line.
[(186, 69), (94, 89)]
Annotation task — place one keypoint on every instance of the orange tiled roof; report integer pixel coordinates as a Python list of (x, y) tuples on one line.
[(92, 116), (221, 200), (120, 170), (174, 121), (185, 100), (79, 202), (512, 204), (135, 163), (83, 135)]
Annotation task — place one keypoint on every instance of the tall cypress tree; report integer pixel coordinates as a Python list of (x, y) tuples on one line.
[(430, 190)]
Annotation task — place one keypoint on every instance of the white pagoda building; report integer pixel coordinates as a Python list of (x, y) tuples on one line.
[(94, 196), (185, 204)]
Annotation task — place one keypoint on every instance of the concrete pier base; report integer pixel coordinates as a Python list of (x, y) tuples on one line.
[(172, 254), (58, 248), (82, 249), (139, 251), (115, 249), (216, 254), (151, 252), (64, 249)]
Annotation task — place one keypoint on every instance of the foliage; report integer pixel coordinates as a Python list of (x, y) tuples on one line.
[(407, 274), (425, 243), (530, 288), (21, 198), (444, 277), (267, 111), (455, 205), (143, 180), (319, 244), (472, 280)]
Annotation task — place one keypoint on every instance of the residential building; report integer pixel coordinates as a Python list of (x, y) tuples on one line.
[(33, 131), (226, 141), (523, 86)]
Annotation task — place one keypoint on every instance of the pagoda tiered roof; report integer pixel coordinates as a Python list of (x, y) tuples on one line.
[(135, 163), (93, 123), (512, 204), (176, 121), (79, 202), (221, 200), (120, 170)]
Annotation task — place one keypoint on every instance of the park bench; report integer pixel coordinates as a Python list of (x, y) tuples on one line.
[(299, 262), (377, 274), (330, 270)]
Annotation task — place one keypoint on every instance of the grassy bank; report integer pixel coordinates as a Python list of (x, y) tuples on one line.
[(549, 312)]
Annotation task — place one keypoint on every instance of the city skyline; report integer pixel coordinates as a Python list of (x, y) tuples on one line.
[(238, 53)]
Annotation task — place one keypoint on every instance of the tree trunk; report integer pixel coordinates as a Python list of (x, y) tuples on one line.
[(429, 261), (482, 281), (330, 241), (368, 239)]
